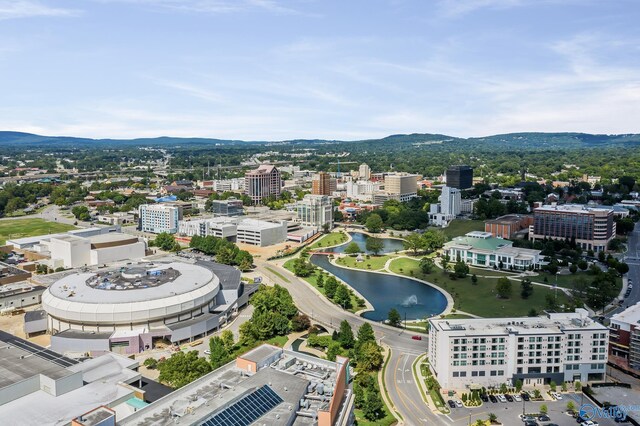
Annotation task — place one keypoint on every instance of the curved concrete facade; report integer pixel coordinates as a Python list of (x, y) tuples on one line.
[(71, 303)]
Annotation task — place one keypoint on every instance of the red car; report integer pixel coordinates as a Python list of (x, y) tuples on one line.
[(416, 337)]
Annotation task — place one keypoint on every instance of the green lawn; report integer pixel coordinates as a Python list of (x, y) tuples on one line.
[(373, 263), (567, 281), (278, 340), (332, 239), (312, 280), (479, 299), (20, 228), (459, 227), (488, 272)]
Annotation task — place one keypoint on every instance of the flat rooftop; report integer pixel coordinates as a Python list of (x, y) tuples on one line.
[(293, 377), (553, 323), (631, 315), (20, 360), (574, 208), (255, 224)]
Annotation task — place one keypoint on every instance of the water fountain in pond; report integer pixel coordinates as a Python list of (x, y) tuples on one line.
[(410, 301)]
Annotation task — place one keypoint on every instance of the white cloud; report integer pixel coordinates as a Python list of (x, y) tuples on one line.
[(214, 6), (14, 9)]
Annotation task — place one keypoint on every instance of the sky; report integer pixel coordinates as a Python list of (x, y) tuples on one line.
[(330, 69)]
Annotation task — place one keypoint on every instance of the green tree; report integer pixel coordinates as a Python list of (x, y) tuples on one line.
[(302, 267), (300, 322), (518, 385), (582, 264), (150, 363), (219, 353), (622, 268), (373, 409), (165, 241), (342, 296), (544, 409), (413, 242), (577, 386), (492, 418), (393, 318), (426, 265), (182, 368), (366, 334), (374, 223), (374, 245), (503, 288), (320, 279), (330, 287), (228, 340), (345, 335), (352, 248), (573, 268), (571, 407), (460, 269), (527, 288), (433, 240)]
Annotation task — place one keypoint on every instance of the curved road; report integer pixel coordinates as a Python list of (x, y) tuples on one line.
[(403, 391)]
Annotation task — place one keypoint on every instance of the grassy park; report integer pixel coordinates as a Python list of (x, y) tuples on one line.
[(479, 299), (329, 240), (459, 227), (373, 263), (20, 228)]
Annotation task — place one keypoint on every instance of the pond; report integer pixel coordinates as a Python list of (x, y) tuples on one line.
[(391, 245), (410, 297)]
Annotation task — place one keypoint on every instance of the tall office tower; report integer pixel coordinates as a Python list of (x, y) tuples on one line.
[(460, 177), (262, 182), (364, 172), (321, 184)]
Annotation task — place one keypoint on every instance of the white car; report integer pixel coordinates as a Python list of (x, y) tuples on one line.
[(207, 352), (556, 395), (458, 403), (501, 398), (517, 398), (589, 423)]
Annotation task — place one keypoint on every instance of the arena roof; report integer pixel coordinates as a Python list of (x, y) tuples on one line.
[(74, 287)]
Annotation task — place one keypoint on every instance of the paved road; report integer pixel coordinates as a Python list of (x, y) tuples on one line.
[(632, 258), (403, 391)]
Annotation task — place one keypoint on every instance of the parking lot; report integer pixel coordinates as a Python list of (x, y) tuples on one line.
[(620, 396), (508, 412)]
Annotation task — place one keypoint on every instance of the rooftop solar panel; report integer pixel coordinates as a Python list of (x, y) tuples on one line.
[(246, 410)]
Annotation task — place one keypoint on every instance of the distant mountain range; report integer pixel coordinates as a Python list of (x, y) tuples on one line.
[(512, 140)]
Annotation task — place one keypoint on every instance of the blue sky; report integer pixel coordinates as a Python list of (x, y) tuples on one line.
[(336, 69)]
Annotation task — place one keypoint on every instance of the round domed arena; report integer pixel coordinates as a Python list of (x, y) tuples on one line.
[(145, 295)]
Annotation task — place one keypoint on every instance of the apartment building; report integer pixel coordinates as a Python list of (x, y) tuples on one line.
[(323, 184), (401, 187), (591, 227), (262, 182), (315, 211), (158, 218), (560, 347), (624, 338)]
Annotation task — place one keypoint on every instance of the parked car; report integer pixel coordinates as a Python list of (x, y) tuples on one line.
[(207, 352), (502, 398), (580, 419), (589, 423), (528, 419), (416, 337), (459, 403), (517, 397), (509, 397), (484, 397), (451, 403), (525, 396), (493, 398), (534, 423), (544, 418), (556, 395)]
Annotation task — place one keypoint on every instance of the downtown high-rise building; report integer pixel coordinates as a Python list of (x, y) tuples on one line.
[(262, 182), (459, 177)]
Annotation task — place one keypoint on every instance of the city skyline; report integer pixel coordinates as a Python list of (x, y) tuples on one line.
[(273, 70)]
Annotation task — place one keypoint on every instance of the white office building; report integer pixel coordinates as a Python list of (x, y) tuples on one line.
[(70, 251), (221, 227), (315, 211), (560, 347), (261, 233), (158, 218), (361, 190), (449, 207), (401, 186), (364, 172)]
